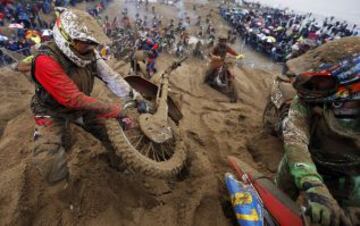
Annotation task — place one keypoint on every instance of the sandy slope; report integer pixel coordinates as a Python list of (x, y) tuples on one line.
[(98, 195), (212, 128)]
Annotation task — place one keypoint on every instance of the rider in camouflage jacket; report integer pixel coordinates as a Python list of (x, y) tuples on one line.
[(322, 142)]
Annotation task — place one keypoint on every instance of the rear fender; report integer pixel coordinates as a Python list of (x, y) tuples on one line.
[(149, 90)]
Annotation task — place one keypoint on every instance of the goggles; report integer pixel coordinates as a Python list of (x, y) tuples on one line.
[(334, 82)]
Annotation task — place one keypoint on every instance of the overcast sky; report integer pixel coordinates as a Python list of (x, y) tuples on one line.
[(344, 9)]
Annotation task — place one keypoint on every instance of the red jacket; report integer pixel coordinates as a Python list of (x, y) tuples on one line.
[(57, 83)]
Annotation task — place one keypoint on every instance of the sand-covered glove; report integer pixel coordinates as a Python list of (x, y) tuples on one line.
[(126, 122), (322, 208), (354, 214)]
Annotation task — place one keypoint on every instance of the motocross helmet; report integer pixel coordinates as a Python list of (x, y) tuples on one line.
[(329, 72), (330, 78), (73, 24), (332, 82)]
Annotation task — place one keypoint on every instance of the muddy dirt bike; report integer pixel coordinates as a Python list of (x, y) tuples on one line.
[(222, 80), (166, 44), (182, 50), (198, 52), (232, 38), (138, 64), (278, 104), (257, 201), (153, 146), (122, 47), (210, 42)]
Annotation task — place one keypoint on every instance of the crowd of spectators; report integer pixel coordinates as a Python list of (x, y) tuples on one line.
[(25, 24), (280, 33)]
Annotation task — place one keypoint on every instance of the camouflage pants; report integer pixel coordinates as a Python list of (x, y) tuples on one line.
[(52, 139), (345, 189)]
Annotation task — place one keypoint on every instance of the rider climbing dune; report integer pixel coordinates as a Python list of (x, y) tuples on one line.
[(64, 72), (214, 75)]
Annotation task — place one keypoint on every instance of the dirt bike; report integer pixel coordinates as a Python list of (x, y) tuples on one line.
[(232, 38), (166, 43), (198, 52), (123, 51), (222, 80), (152, 146), (210, 41), (278, 104), (182, 49), (138, 64), (122, 47), (256, 200)]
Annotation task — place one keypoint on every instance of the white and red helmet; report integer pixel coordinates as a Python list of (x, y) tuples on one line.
[(74, 24)]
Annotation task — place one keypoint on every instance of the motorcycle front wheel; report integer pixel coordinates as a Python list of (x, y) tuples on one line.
[(142, 155)]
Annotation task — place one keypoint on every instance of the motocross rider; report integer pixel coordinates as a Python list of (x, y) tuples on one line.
[(218, 56), (150, 45), (322, 142), (64, 72), (183, 41)]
